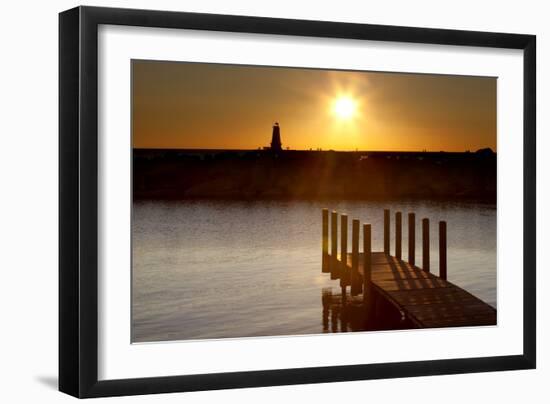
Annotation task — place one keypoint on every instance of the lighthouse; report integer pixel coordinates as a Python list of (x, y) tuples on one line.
[(276, 144)]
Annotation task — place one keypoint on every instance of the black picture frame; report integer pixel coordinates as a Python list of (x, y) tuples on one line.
[(78, 201)]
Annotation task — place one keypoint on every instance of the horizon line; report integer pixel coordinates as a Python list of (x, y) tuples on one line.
[(317, 150)]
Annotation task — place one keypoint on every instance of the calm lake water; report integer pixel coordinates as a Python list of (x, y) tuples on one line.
[(217, 269)]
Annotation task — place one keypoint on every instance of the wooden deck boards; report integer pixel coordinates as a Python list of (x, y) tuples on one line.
[(427, 300)]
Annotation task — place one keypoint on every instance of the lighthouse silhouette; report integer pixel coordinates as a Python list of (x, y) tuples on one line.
[(276, 138)]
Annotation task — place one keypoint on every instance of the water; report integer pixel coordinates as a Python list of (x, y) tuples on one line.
[(217, 269)]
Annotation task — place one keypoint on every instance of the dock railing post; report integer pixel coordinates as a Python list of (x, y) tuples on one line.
[(324, 243), (398, 235), (355, 281), (426, 244), (334, 245), (367, 255), (411, 238), (443, 250), (386, 231), (344, 273)]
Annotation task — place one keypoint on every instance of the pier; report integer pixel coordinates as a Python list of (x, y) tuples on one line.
[(386, 290)]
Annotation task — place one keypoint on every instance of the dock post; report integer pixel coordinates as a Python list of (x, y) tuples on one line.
[(426, 244), (443, 250), (398, 235), (344, 273), (386, 231), (367, 251), (411, 238), (355, 281), (324, 243), (334, 245)]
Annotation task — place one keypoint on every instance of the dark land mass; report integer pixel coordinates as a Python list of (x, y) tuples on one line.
[(295, 174)]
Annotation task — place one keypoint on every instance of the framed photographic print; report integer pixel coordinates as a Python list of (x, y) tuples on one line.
[(251, 201)]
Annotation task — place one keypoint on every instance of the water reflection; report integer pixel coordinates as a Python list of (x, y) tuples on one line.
[(343, 313)]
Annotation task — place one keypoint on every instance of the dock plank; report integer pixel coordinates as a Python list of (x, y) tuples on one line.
[(427, 300)]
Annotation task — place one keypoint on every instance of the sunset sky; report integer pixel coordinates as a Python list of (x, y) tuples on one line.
[(213, 106)]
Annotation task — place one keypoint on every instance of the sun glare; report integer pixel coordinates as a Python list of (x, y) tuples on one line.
[(344, 107)]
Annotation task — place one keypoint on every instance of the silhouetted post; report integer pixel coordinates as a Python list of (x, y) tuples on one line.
[(344, 273), (443, 250), (326, 298), (426, 245), (334, 245), (398, 235), (367, 251), (325, 267), (355, 283), (411, 238), (386, 231)]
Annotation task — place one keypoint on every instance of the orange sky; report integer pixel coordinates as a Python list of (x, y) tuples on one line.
[(196, 105)]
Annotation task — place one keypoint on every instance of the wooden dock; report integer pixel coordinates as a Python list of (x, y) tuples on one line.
[(378, 279)]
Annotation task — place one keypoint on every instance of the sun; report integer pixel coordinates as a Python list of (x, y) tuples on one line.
[(344, 107)]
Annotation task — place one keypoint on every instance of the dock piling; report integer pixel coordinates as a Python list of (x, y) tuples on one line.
[(426, 244), (398, 235), (355, 281), (367, 253), (386, 231), (325, 266), (411, 238), (344, 273), (334, 245), (443, 250)]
